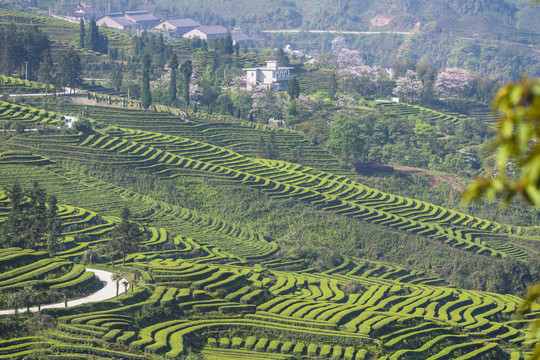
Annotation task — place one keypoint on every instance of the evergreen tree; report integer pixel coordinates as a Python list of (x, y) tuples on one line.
[(282, 58), (53, 227), (126, 236), (94, 40), (333, 87), (36, 216), (117, 77), (228, 44), (69, 70), (173, 63), (146, 95), (12, 230), (82, 33), (46, 70), (293, 88), (92, 37), (186, 69), (272, 150)]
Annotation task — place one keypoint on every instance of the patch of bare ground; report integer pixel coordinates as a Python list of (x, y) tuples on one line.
[(381, 20), (434, 179)]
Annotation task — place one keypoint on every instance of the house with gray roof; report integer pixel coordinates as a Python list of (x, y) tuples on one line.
[(241, 39), (207, 32), (116, 21), (178, 26), (142, 19)]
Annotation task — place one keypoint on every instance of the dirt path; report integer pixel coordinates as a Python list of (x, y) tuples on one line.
[(107, 292), (434, 179)]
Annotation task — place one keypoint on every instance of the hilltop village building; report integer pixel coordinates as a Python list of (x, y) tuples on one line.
[(207, 32), (178, 26), (128, 20), (187, 28), (115, 21), (142, 19), (272, 76)]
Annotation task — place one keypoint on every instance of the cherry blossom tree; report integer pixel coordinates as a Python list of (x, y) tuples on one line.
[(408, 87), (239, 83), (453, 83), (267, 104), (362, 78), (343, 56), (347, 58), (338, 44)]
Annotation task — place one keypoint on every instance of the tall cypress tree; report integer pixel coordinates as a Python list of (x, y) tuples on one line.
[(186, 69), (82, 34), (46, 70), (173, 63), (293, 88), (92, 38), (228, 44), (146, 95), (54, 229)]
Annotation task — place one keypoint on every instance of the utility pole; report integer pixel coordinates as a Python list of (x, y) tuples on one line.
[(26, 77)]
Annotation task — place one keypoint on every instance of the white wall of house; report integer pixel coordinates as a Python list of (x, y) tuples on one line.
[(268, 76), (195, 33)]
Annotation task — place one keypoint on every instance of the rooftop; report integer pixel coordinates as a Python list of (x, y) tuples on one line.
[(122, 20), (270, 65), (212, 30), (241, 37), (140, 16), (182, 22)]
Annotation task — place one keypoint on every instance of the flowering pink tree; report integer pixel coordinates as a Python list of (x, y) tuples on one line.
[(267, 104), (239, 83), (408, 87), (347, 58), (362, 78), (453, 82), (389, 73), (343, 56), (338, 44), (345, 101)]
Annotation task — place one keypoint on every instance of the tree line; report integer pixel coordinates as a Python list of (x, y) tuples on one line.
[(27, 48), (32, 221)]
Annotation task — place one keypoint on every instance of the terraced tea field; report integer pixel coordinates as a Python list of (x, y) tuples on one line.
[(221, 289)]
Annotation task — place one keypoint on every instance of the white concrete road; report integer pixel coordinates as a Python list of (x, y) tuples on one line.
[(107, 292)]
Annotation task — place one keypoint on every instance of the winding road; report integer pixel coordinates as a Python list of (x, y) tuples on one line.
[(107, 292)]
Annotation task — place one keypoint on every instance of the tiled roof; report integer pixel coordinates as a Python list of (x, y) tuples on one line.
[(212, 30), (145, 17), (241, 37), (182, 22), (122, 20)]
